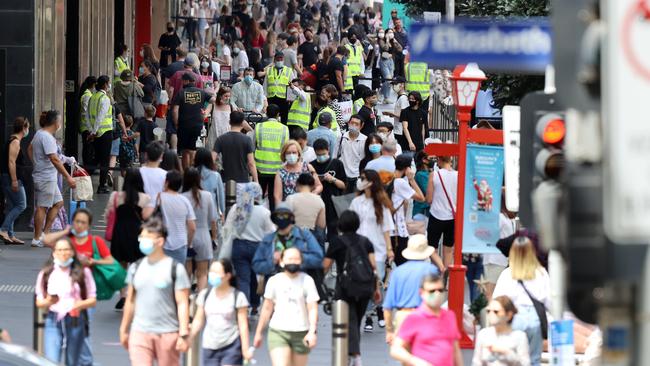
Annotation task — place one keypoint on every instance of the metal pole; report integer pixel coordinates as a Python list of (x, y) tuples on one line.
[(192, 354), (557, 271), (39, 328), (340, 317), (451, 10), (231, 194)]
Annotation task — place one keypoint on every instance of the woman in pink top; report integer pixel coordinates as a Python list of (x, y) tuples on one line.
[(66, 289)]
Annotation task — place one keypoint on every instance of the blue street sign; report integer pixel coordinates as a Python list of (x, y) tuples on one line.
[(495, 45)]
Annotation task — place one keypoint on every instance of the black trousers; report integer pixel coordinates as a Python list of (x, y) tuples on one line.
[(267, 181), (284, 107), (102, 146), (352, 185), (398, 243), (355, 315), (87, 152), (355, 81)]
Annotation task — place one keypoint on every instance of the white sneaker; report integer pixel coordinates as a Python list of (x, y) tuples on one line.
[(355, 361), (37, 243), (382, 323)]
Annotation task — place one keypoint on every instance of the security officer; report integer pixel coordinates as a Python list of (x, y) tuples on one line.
[(276, 82), (356, 59), (418, 78), (270, 136), (121, 63), (327, 94), (100, 109), (300, 111), (358, 102), (88, 88)]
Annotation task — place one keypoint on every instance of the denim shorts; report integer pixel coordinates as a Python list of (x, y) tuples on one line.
[(228, 355), (115, 147)]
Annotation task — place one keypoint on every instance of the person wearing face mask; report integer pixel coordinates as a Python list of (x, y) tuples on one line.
[(308, 154), (384, 165), (308, 207), (356, 58), (368, 113), (291, 311), (121, 62), (371, 150), (156, 311), (328, 103), (429, 335), (268, 253), (351, 151), (247, 95), (498, 344), (13, 169), (424, 165), (43, 152), (385, 131), (65, 290), (401, 103), (239, 58), (168, 44), (415, 122), (222, 315), (276, 84), (308, 51), (358, 102), (293, 165), (270, 139), (300, 111), (331, 173), (374, 209)]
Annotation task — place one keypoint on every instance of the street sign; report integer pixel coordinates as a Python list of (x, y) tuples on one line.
[(511, 138), (562, 347), (626, 114), (510, 46)]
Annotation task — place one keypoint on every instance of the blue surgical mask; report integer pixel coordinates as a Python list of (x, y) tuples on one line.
[(64, 264), (214, 279), (374, 148), (82, 234), (248, 79), (145, 245), (140, 70), (291, 158), (322, 158)]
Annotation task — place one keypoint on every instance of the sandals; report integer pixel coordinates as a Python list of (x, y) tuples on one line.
[(10, 240), (16, 241)]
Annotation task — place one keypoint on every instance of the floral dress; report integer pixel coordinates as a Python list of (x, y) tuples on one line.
[(290, 179)]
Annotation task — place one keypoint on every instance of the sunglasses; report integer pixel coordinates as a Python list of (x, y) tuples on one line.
[(283, 216)]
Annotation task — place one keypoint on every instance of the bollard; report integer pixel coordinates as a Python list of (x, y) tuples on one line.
[(39, 329), (231, 194), (193, 353), (340, 318)]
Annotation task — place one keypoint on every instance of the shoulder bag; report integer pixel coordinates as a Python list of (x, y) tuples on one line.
[(135, 103), (451, 205), (109, 278), (540, 309)]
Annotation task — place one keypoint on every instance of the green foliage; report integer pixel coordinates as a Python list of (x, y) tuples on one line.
[(477, 305), (508, 89)]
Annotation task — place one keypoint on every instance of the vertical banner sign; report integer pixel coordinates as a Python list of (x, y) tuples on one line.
[(346, 110), (562, 348), (483, 181)]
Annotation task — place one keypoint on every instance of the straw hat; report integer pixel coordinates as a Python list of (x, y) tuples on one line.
[(418, 248)]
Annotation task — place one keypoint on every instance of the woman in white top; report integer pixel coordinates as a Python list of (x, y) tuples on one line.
[(247, 223), (220, 116), (240, 58), (374, 209), (526, 274), (498, 344), (441, 195)]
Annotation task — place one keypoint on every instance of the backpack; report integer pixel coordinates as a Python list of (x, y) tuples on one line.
[(357, 279), (234, 305)]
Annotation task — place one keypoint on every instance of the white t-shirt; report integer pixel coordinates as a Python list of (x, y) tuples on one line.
[(308, 155), (221, 327), (506, 228), (351, 153), (401, 103), (240, 61), (440, 208), (290, 297), (402, 192), (540, 288), (176, 210), (154, 181), (369, 227)]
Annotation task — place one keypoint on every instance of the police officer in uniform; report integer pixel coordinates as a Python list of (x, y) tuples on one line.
[(88, 88), (356, 59), (270, 136), (276, 82), (121, 62), (418, 78)]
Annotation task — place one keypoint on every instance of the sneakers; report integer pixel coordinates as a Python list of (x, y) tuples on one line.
[(380, 317), (368, 327), (120, 304), (38, 243), (355, 361)]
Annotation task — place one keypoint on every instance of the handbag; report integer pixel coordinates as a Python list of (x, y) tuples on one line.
[(442, 182), (225, 249), (109, 278), (135, 103), (540, 309), (111, 217), (342, 202), (84, 190)]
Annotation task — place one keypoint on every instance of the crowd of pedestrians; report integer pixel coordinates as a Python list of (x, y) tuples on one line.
[(318, 191)]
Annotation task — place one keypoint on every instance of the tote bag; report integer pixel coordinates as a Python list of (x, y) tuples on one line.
[(109, 278)]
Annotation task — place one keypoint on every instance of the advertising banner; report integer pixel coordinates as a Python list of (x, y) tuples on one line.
[(483, 181)]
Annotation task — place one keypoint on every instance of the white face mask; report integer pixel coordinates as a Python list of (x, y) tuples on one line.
[(362, 184)]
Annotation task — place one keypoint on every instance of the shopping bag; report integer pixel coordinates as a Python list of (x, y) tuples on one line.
[(109, 278), (342, 203), (84, 182)]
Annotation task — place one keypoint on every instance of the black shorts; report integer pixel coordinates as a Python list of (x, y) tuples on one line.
[(436, 228), (187, 137)]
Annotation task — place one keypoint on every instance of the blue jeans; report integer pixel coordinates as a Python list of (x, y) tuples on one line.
[(243, 252), (86, 357), (68, 332), (527, 321), (179, 255), (387, 67), (16, 204), (474, 272)]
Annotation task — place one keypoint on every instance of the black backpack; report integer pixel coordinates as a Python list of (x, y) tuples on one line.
[(356, 278)]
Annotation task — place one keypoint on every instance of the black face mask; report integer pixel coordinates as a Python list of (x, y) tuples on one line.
[(283, 223), (413, 103), (170, 29), (292, 268)]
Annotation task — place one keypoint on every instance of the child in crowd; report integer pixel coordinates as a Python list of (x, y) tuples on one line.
[(145, 129), (127, 146)]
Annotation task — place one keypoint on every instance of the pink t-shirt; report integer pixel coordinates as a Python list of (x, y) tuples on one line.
[(431, 337), (59, 283)]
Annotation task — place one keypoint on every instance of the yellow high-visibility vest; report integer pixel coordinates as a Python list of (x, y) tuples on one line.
[(327, 109), (276, 82), (94, 104), (356, 106), (120, 65), (347, 82), (83, 120), (355, 60), (300, 115), (270, 136), (417, 78)]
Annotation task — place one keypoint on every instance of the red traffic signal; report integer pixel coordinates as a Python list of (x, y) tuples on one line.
[(551, 129)]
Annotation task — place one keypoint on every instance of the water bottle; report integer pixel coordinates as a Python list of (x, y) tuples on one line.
[(199, 143), (204, 132), (252, 360)]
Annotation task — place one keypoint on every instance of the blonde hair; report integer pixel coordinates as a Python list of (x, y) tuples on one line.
[(286, 147), (523, 259)]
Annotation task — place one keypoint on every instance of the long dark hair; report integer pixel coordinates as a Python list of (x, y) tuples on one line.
[(76, 271), (377, 194), (228, 268), (89, 82), (133, 186), (170, 161), (192, 181), (203, 159)]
